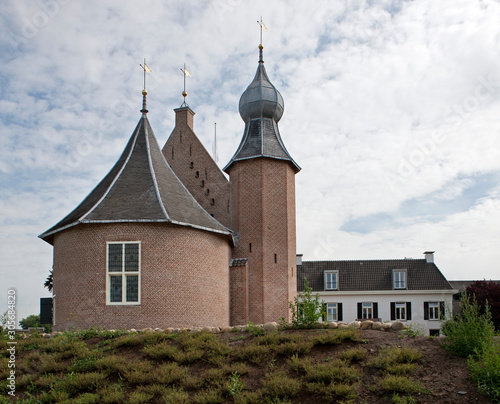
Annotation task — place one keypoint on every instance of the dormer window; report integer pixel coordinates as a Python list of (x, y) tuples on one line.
[(399, 279), (331, 280)]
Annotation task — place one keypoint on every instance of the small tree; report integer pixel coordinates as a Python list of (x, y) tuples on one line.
[(487, 293), (306, 309), (470, 332), (30, 321)]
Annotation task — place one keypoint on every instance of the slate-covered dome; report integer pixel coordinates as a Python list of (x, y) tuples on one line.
[(261, 99)]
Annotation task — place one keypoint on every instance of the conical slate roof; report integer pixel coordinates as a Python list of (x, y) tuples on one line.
[(261, 107), (141, 187)]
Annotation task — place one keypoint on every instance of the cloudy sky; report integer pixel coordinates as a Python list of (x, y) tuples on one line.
[(392, 109)]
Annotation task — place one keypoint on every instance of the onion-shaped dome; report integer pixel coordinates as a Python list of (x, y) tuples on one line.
[(261, 107), (261, 99)]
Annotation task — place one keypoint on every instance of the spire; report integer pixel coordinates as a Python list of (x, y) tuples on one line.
[(184, 93), (146, 69), (261, 107)]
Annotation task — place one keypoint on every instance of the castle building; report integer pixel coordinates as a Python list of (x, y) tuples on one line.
[(166, 239)]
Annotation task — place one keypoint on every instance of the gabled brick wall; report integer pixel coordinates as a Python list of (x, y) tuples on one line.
[(196, 169)]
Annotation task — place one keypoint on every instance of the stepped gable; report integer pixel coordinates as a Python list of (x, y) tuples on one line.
[(141, 187), (261, 107)]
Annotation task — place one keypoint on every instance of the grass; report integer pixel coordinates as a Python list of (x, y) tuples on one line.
[(94, 366)]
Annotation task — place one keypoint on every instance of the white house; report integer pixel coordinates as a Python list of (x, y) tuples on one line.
[(408, 290)]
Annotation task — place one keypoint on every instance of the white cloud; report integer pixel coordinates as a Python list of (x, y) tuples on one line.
[(387, 105)]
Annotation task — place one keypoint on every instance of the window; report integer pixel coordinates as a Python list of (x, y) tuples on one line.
[(400, 311), (331, 281), (367, 310), (399, 279), (123, 270), (331, 312), (434, 310)]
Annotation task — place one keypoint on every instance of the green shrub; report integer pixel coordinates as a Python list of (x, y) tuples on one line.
[(280, 385), (234, 384), (112, 394), (169, 373), (336, 337), (254, 329), (401, 384), (471, 332), (485, 371), (306, 309), (353, 355), (175, 396), (396, 360)]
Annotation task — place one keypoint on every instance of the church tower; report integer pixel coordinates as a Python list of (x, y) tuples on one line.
[(262, 178)]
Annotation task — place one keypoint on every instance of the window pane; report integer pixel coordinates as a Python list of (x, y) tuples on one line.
[(131, 257), (331, 312), (115, 288), (132, 288), (114, 257), (331, 280)]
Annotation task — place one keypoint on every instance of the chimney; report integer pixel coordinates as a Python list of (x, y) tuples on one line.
[(299, 259), (184, 117), (429, 257)]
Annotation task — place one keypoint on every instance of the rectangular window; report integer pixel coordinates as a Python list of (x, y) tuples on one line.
[(331, 280), (367, 310), (331, 312), (401, 311), (123, 273), (399, 279), (434, 311)]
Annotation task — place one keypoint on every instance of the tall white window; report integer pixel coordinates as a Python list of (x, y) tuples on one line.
[(331, 312), (123, 273), (401, 311), (434, 311), (367, 310), (331, 280), (399, 279)]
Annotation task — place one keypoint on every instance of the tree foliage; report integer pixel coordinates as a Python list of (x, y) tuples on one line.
[(487, 293), (30, 321), (306, 309)]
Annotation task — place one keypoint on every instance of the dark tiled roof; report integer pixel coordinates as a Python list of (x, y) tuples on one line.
[(141, 187), (238, 262), (261, 107), (365, 275)]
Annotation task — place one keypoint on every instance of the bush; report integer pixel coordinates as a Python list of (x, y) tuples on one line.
[(469, 333), (306, 309), (485, 371)]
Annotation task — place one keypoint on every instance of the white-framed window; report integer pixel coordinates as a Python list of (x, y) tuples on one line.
[(331, 312), (400, 311), (367, 310), (123, 269), (434, 311), (399, 278), (331, 280)]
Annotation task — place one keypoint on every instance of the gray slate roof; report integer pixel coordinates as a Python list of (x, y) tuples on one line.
[(141, 187), (261, 107), (367, 275)]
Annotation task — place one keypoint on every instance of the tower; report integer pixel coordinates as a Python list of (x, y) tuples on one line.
[(262, 177)]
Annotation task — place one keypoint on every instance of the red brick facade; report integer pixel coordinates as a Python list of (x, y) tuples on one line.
[(263, 206), (196, 169), (184, 277)]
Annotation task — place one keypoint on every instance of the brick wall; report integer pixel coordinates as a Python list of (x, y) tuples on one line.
[(238, 276), (184, 277), (196, 169), (263, 203)]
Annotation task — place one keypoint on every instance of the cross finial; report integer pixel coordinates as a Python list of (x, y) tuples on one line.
[(184, 93), (262, 27), (144, 91)]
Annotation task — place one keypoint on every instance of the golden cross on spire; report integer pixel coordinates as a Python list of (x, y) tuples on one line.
[(184, 93), (262, 27), (144, 91)]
